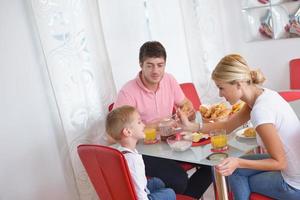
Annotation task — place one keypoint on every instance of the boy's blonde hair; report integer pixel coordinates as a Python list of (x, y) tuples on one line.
[(234, 67), (117, 120)]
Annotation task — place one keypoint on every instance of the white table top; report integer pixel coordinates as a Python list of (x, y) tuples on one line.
[(237, 147)]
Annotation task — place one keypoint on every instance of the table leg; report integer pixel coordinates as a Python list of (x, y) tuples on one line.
[(221, 191)]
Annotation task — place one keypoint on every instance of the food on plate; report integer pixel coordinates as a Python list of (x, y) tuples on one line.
[(214, 112), (249, 132), (197, 137), (237, 107), (203, 110)]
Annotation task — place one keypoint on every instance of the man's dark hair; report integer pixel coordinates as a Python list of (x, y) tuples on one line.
[(152, 49)]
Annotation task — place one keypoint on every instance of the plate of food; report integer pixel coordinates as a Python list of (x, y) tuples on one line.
[(198, 138), (216, 112), (246, 133)]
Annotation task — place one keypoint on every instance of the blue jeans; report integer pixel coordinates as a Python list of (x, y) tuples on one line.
[(270, 183), (159, 191)]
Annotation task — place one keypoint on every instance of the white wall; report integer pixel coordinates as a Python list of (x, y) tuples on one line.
[(30, 164), (272, 56), (125, 30)]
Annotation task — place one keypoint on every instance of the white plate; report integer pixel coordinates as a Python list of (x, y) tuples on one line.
[(240, 134)]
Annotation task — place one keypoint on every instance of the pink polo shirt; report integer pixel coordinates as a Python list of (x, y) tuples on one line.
[(151, 105)]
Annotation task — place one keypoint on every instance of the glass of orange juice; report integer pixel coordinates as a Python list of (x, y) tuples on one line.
[(150, 135), (218, 140)]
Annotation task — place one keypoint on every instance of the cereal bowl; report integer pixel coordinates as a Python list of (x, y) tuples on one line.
[(178, 143)]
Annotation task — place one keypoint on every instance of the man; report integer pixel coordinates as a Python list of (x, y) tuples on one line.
[(154, 93)]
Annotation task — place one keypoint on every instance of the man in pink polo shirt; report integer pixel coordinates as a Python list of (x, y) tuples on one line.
[(154, 93)]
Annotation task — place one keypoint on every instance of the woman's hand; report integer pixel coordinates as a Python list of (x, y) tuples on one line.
[(228, 166), (185, 123)]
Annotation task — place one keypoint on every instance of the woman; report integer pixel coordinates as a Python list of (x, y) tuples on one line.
[(276, 174)]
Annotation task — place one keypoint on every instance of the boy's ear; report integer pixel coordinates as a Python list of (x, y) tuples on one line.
[(126, 132)]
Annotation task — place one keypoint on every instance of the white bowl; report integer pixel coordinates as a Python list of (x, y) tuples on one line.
[(178, 143)]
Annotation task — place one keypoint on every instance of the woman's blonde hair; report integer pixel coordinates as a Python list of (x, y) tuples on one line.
[(118, 119), (234, 67)]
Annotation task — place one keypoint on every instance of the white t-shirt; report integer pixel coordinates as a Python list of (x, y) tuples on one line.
[(270, 107), (136, 166)]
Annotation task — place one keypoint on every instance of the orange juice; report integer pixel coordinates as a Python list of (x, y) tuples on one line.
[(150, 135), (218, 140)]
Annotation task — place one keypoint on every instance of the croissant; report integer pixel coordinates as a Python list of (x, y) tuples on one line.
[(237, 107), (214, 112), (249, 132)]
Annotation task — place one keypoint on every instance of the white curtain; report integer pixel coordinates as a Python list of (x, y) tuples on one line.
[(202, 21), (71, 37)]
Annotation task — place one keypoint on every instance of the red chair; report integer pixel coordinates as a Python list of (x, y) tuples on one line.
[(253, 196), (295, 74), (109, 173), (256, 196), (190, 92), (290, 95), (293, 95)]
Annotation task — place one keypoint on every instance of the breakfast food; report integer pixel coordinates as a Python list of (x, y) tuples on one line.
[(197, 137), (214, 112), (249, 132), (237, 107)]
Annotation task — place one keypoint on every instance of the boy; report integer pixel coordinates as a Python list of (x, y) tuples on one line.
[(125, 126)]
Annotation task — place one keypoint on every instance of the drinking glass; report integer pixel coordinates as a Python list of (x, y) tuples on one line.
[(150, 135), (218, 139)]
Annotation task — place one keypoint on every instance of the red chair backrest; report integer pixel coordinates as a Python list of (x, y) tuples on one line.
[(295, 74), (108, 172), (191, 93)]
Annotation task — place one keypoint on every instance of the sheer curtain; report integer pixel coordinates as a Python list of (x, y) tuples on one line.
[(205, 43), (71, 38)]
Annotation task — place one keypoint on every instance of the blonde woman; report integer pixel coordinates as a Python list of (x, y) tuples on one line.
[(277, 173)]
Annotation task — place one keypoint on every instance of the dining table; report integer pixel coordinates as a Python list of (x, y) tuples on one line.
[(199, 155)]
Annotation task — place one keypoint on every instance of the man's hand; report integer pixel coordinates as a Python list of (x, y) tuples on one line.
[(188, 109)]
